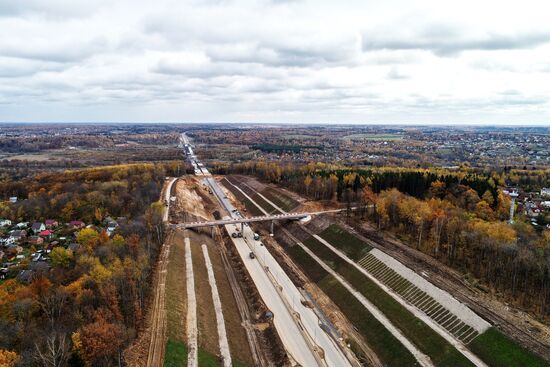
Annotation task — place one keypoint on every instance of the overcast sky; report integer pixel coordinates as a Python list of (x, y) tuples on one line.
[(365, 61)]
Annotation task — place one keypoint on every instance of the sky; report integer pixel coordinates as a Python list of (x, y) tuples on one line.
[(277, 61)]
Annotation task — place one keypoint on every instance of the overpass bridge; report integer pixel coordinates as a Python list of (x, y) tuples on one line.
[(261, 218)]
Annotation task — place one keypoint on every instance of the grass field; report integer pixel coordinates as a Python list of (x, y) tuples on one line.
[(175, 354), (497, 350), (426, 339), (281, 200), (345, 241)]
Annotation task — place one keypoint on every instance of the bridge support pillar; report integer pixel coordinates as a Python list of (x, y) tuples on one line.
[(272, 227), (242, 227), (212, 233)]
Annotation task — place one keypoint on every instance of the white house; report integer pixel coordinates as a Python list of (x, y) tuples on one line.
[(8, 241), (38, 227), (545, 191), (5, 222)]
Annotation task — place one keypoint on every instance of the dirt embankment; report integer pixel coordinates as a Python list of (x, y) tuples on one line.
[(305, 204), (148, 349), (189, 205)]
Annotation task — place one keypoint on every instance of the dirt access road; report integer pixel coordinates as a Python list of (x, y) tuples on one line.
[(148, 350), (155, 356)]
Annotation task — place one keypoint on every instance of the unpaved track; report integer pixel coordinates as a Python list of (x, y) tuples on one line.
[(155, 356)]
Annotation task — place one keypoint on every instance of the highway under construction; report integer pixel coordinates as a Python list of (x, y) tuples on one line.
[(301, 331)]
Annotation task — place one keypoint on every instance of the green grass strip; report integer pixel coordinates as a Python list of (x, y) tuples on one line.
[(385, 345), (207, 359), (497, 350), (352, 246), (419, 333), (175, 354)]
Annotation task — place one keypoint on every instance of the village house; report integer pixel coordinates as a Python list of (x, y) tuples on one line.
[(51, 223), (36, 240), (111, 225), (6, 241), (38, 227), (5, 222), (18, 234), (545, 191), (46, 234), (14, 250), (53, 245), (22, 225), (77, 224), (73, 247)]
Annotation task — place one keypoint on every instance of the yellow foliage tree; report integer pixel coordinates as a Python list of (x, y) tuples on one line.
[(88, 237), (8, 358)]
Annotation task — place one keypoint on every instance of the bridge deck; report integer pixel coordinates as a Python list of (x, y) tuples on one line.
[(241, 220), (261, 218)]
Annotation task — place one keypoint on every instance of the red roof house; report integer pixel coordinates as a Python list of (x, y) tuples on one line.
[(45, 233)]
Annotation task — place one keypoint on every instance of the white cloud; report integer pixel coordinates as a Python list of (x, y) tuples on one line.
[(275, 61)]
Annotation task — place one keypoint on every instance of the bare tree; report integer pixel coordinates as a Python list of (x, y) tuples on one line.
[(52, 305), (53, 352)]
